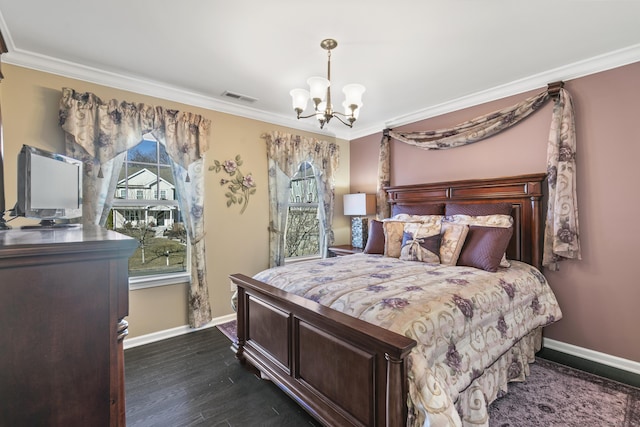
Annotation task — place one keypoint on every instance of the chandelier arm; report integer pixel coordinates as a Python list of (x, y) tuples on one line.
[(342, 121), (338, 113), (306, 117)]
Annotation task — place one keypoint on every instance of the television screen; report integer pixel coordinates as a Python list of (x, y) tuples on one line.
[(49, 186)]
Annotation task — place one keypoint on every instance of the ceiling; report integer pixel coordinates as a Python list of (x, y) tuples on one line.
[(417, 59)]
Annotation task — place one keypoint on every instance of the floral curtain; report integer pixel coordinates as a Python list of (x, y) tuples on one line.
[(285, 153), (561, 237), (99, 133), (561, 230)]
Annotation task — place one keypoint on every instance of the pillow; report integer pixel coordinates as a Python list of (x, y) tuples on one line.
[(418, 209), (478, 209), (375, 242), (497, 220), (501, 221), (453, 237), (484, 246), (421, 242), (394, 230)]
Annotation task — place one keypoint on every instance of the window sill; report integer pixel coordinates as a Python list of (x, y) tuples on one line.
[(144, 282), (301, 259)]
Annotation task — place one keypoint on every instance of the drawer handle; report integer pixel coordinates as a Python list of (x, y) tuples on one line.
[(122, 330)]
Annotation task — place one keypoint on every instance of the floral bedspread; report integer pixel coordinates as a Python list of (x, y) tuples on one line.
[(463, 318)]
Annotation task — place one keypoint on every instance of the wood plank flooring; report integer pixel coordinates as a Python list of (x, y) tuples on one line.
[(195, 380)]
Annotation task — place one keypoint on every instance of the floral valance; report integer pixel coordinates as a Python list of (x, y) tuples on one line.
[(106, 129), (289, 151), (561, 229)]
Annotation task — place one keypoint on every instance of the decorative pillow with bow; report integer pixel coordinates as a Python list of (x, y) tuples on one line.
[(421, 242), (394, 230)]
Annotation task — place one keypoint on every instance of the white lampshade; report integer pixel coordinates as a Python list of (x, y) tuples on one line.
[(300, 98), (353, 93), (359, 204), (318, 87)]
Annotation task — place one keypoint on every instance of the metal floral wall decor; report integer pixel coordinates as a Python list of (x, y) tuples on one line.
[(240, 186)]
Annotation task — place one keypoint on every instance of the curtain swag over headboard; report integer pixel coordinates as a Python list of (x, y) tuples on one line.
[(100, 133), (561, 237)]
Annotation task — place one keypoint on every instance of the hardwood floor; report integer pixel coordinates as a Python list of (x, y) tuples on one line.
[(195, 380)]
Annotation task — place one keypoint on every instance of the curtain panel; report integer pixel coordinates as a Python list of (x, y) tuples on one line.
[(99, 134), (285, 153), (561, 229)]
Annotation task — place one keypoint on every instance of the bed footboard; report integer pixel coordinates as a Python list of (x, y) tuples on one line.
[(342, 370)]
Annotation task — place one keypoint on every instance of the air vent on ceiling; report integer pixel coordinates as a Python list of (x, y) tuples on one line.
[(238, 97)]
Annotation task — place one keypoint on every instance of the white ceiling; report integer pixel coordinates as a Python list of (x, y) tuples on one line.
[(416, 58)]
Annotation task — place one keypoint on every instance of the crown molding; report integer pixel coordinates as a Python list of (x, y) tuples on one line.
[(153, 88), (157, 89), (583, 68)]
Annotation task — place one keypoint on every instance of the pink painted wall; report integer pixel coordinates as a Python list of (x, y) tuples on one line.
[(599, 295)]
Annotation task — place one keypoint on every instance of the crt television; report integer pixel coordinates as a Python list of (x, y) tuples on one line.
[(49, 186)]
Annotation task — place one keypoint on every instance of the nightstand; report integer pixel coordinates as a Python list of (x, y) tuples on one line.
[(341, 250)]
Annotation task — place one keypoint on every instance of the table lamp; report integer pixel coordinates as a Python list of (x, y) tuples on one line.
[(359, 205)]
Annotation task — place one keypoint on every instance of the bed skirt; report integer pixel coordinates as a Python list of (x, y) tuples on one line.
[(472, 404)]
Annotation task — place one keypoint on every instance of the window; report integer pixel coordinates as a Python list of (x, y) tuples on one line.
[(132, 216), (302, 236), (155, 222)]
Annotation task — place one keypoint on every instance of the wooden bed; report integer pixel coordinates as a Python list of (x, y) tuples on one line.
[(342, 370)]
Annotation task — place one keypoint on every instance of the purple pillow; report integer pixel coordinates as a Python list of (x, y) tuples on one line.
[(375, 241), (484, 246)]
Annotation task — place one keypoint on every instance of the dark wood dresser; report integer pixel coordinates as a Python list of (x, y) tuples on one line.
[(63, 299)]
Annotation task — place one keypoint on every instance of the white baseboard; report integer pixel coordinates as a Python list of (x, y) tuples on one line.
[(594, 356), (173, 332)]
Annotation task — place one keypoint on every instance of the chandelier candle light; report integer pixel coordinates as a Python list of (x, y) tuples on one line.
[(320, 92), (359, 205)]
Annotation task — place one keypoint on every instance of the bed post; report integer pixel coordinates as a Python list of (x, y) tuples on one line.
[(396, 390), (535, 188), (240, 323), (536, 256)]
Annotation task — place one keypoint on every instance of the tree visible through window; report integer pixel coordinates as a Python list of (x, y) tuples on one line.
[(302, 236), (154, 221)]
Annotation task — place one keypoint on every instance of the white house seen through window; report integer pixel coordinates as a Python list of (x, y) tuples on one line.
[(154, 221)]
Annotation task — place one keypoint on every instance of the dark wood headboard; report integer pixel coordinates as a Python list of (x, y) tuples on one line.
[(524, 192)]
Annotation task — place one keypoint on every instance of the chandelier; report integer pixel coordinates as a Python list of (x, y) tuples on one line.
[(320, 92)]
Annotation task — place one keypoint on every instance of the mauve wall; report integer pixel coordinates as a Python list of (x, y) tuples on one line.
[(600, 295)]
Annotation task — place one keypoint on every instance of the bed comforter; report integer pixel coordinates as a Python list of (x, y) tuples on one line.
[(472, 327)]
